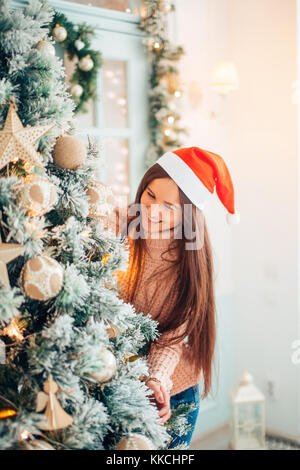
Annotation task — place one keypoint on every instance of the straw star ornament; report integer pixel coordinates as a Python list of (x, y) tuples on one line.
[(16, 141), (8, 252)]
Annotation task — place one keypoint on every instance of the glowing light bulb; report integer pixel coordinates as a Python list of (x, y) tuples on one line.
[(12, 330), (120, 166), (121, 177), (24, 435), (85, 234), (171, 119), (122, 101), (156, 45), (167, 132), (109, 73), (177, 93)]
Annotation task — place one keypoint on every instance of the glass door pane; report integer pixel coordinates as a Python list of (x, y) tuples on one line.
[(115, 127), (114, 95), (117, 168)]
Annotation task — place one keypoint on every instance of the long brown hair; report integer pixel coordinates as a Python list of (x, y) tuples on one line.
[(195, 303)]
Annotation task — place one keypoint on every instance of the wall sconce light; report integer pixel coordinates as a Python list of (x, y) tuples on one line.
[(224, 78)]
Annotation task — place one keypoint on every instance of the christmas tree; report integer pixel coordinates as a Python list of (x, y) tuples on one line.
[(73, 353)]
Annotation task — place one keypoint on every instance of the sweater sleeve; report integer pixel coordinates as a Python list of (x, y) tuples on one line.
[(162, 361)]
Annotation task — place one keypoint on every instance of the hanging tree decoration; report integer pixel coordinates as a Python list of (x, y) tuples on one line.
[(37, 195), (42, 278), (16, 141), (76, 42), (69, 152), (165, 87), (8, 252), (46, 47), (101, 200), (108, 369), (55, 416)]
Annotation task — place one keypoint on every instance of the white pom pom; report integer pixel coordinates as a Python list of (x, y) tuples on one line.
[(233, 218)]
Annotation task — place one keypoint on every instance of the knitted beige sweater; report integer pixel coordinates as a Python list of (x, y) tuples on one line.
[(169, 364)]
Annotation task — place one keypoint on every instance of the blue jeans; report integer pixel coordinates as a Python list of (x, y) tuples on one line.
[(190, 395)]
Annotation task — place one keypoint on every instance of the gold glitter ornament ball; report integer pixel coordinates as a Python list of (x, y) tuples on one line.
[(37, 195), (135, 442), (101, 199), (69, 152), (42, 278), (106, 373)]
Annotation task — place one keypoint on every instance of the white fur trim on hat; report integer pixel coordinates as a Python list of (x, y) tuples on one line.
[(185, 178), (233, 218)]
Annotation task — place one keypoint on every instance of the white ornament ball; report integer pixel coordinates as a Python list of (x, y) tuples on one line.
[(37, 195), (79, 44), (135, 442), (42, 278), (69, 152), (60, 33), (86, 63), (46, 47), (101, 199), (76, 90), (106, 373)]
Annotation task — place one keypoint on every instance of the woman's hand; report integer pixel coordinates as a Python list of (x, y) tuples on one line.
[(162, 399)]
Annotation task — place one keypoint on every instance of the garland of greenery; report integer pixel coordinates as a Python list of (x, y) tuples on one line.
[(76, 41), (164, 119)]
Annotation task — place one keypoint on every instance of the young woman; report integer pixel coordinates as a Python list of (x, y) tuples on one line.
[(170, 273)]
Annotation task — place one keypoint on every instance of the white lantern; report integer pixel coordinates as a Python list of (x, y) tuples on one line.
[(247, 424)]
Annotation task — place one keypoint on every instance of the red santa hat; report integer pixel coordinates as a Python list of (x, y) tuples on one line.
[(198, 172)]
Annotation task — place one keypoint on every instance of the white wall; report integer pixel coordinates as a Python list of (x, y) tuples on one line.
[(262, 124), (256, 133)]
